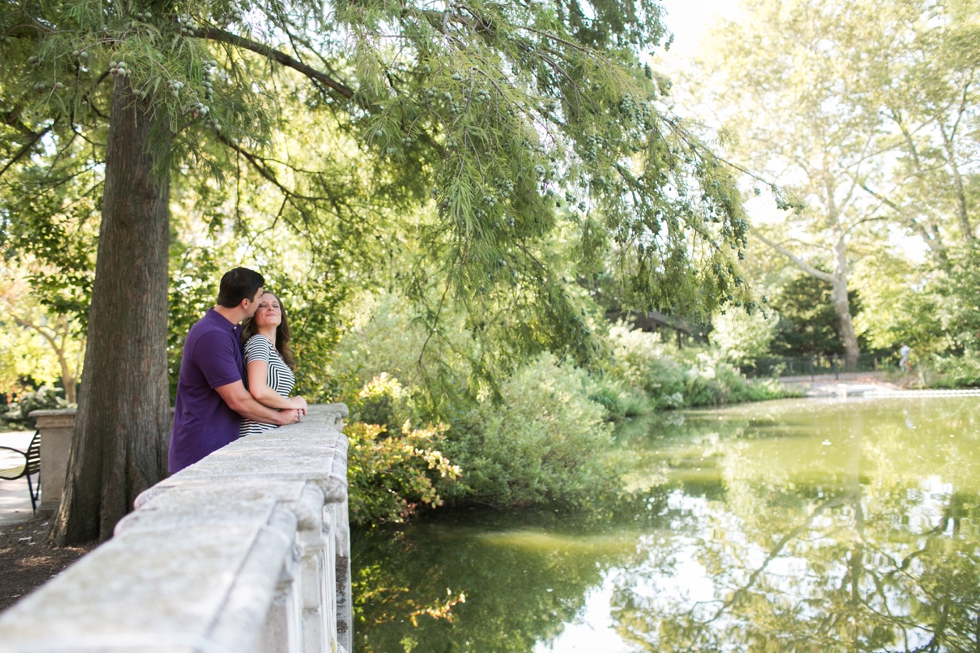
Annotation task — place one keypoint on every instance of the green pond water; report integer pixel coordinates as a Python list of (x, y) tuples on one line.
[(799, 525)]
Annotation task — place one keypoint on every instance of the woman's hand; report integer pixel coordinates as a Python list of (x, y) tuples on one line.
[(299, 404)]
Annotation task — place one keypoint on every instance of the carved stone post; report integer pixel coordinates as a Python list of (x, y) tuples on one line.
[(55, 427), (314, 572), (282, 629)]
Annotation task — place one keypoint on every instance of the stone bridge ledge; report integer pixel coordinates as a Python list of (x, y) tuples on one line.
[(247, 550)]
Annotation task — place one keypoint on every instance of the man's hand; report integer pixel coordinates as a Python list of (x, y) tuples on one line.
[(291, 416), (240, 401)]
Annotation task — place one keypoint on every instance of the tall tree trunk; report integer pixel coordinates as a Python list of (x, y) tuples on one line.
[(961, 206), (67, 378), (838, 295), (119, 445), (838, 291)]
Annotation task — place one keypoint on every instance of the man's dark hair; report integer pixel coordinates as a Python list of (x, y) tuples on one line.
[(239, 284)]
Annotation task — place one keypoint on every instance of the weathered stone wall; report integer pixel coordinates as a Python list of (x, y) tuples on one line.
[(248, 550)]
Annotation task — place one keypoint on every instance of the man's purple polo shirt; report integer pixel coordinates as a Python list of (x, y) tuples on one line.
[(203, 422)]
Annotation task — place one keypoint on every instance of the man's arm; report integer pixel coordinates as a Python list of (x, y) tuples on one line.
[(240, 401)]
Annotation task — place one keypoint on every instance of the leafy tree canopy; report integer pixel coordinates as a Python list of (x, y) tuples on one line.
[(478, 146)]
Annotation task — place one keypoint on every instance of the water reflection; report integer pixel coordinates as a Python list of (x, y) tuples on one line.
[(797, 526)]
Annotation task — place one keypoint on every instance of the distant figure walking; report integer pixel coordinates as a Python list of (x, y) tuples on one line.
[(903, 363)]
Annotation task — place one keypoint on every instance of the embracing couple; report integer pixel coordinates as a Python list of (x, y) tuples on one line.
[(235, 379)]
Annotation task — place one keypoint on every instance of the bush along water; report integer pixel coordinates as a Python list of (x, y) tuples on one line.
[(541, 436), (542, 442), (642, 369), (946, 371), (392, 471)]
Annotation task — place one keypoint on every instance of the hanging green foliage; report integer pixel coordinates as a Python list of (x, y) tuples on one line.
[(504, 124)]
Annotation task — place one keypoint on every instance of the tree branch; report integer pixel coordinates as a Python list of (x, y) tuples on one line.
[(800, 263), (858, 223), (25, 149), (27, 324), (12, 119), (931, 239), (222, 36), (883, 199), (261, 168)]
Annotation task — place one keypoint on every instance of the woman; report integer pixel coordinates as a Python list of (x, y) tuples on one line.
[(269, 361)]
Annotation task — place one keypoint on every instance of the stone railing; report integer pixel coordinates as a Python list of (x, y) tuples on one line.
[(248, 550)]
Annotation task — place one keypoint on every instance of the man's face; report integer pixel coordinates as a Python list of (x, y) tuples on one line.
[(253, 304)]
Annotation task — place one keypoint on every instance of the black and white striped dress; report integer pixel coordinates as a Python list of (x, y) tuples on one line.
[(280, 378)]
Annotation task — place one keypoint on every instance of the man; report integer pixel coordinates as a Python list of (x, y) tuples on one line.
[(211, 396), (903, 363)]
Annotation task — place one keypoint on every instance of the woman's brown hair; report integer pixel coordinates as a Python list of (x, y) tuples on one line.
[(282, 334)]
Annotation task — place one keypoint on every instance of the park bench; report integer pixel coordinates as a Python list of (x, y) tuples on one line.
[(31, 466)]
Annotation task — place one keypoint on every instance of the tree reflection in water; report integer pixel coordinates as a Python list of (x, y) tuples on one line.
[(511, 580), (863, 546), (792, 526)]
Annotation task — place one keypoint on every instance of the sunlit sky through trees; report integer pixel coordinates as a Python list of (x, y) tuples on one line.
[(690, 21)]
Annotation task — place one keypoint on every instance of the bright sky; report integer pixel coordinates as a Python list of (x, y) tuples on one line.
[(689, 19)]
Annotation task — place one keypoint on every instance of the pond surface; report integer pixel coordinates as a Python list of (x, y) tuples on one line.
[(799, 525)]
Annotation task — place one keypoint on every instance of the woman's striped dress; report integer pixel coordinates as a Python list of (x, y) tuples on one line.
[(280, 378)]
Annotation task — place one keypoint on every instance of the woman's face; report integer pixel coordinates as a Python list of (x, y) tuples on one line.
[(269, 312)]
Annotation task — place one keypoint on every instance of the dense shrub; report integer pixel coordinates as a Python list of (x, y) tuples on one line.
[(672, 377), (543, 443), (712, 381), (950, 371), (391, 472), (619, 400)]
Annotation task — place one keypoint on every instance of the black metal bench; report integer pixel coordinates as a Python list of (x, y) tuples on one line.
[(32, 466)]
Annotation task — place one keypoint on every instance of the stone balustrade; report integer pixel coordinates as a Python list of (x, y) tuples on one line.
[(248, 550)]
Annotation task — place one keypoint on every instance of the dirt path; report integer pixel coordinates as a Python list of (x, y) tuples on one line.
[(27, 560)]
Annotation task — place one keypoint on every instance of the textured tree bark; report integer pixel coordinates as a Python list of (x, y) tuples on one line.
[(119, 445), (838, 295)]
